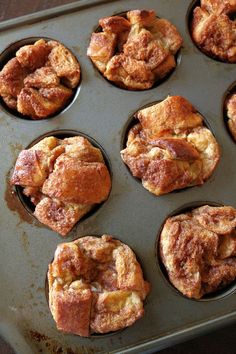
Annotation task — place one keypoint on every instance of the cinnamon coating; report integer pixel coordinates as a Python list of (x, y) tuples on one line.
[(231, 114), (39, 81), (170, 148), (96, 285), (136, 51), (198, 250), (64, 179), (213, 30)]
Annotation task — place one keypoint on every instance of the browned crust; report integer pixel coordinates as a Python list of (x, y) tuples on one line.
[(198, 250), (170, 149), (64, 179), (95, 285), (213, 31), (135, 52), (38, 82)]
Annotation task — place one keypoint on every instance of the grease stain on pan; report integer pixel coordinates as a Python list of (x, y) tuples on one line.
[(47, 344), (25, 242)]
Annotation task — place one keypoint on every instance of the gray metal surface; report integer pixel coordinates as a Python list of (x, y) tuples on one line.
[(131, 213)]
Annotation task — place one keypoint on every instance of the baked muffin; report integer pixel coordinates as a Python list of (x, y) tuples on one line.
[(213, 30), (136, 50), (96, 285), (231, 114), (198, 250), (40, 80), (64, 179), (170, 148)]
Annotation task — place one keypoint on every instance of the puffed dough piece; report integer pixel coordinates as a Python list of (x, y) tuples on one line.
[(33, 56), (101, 49), (100, 275), (170, 149), (115, 310), (72, 311), (174, 113), (219, 6), (44, 102), (74, 181), (60, 217), (64, 63), (135, 52), (214, 33), (221, 220), (38, 82), (197, 249), (64, 179)]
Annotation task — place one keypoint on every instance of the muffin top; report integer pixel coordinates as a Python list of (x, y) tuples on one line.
[(136, 50), (96, 285), (64, 179), (213, 30), (170, 148), (39, 80), (198, 250)]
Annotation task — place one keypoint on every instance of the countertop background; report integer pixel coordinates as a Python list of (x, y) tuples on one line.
[(222, 341)]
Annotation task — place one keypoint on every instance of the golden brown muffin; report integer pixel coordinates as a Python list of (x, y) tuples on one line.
[(64, 180), (40, 80), (96, 285), (136, 51), (170, 148), (198, 250), (231, 114), (213, 31)]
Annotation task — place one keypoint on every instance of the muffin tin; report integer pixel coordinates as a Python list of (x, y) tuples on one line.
[(131, 214)]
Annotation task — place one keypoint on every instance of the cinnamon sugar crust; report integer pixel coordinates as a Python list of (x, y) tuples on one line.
[(198, 250), (64, 180), (39, 81), (170, 148), (96, 285), (136, 51)]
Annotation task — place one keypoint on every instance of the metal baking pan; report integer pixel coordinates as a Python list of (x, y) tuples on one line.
[(131, 213)]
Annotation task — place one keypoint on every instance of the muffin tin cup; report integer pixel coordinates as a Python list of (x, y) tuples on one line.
[(62, 134), (9, 53), (193, 4), (131, 213), (215, 296)]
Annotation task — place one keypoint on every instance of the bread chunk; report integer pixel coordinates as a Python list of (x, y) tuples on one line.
[(213, 30), (64, 179), (39, 81), (96, 285), (135, 51), (198, 250), (170, 148)]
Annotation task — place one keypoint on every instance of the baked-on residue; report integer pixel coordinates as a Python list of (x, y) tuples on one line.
[(136, 51), (198, 250), (39, 80), (170, 148), (63, 178), (96, 285), (213, 30)]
